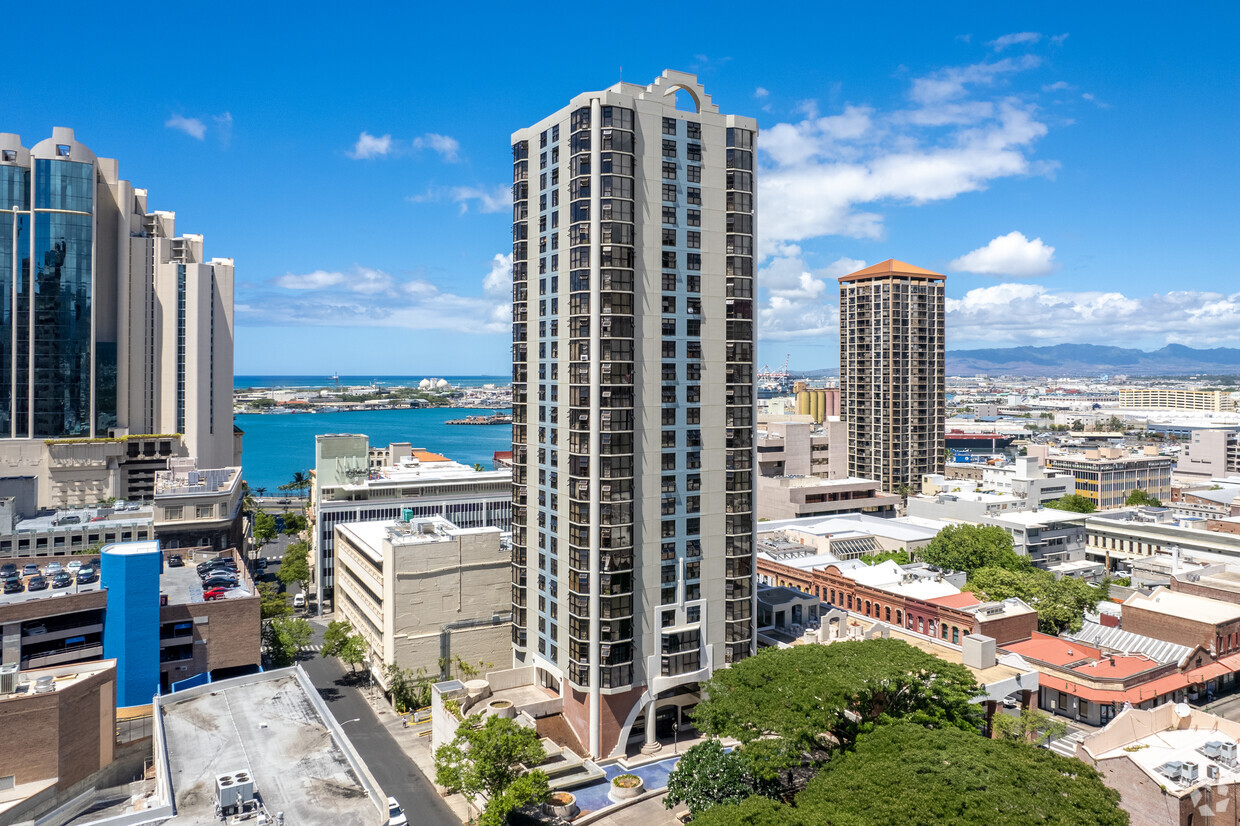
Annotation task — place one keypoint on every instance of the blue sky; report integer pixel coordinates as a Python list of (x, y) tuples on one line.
[(1071, 167)]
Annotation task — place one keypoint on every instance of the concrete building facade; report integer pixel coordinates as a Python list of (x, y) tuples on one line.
[(892, 363), (633, 393), (353, 483), (1106, 476), (1214, 401), (424, 592), (117, 326)]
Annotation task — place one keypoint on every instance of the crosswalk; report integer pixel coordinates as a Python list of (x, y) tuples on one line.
[(1067, 745), (314, 648)]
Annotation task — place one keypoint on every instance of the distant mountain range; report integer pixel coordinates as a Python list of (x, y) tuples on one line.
[(1084, 360), (1093, 359)]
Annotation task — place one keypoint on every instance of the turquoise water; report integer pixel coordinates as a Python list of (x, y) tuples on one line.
[(241, 382), (278, 445)]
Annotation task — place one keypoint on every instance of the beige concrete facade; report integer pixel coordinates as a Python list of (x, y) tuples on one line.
[(199, 508), (634, 404), (892, 363), (159, 359), (1215, 401), (425, 594), (1106, 476)]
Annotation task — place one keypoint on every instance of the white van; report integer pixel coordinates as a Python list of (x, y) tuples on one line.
[(299, 601)]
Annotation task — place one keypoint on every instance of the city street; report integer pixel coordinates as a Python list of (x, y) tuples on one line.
[(391, 767)]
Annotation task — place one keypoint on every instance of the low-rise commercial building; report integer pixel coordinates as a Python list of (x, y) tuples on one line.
[(1211, 453), (423, 591), (1106, 476), (1172, 766), (61, 725), (159, 627), (417, 483), (1152, 398), (1185, 618), (803, 471), (199, 508)]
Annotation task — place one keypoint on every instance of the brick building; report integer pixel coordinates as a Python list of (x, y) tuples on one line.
[(1185, 618), (61, 723)]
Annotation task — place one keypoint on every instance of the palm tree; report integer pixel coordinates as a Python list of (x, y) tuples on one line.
[(300, 483), (260, 492)]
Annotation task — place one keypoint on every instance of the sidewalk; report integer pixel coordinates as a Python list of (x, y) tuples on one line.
[(418, 750)]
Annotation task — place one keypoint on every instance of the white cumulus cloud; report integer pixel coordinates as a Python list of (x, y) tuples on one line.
[(365, 296), (190, 126), (1016, 39), (830, 175), (494, 199), (1023, 313), (448, 147), (1011, 255), (368, 146)]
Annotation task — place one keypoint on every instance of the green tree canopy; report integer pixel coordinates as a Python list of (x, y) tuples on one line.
[(272, 602), (485, 758), (1073, 502), (299, 483), (334, 637), (899, 557), (1060, 603), (264, 528), (294, 523), (1030, 726), (969, 547), (284, 637), (707, 776), (1140, 497), (814, 698), (295, 565), (907, 774)]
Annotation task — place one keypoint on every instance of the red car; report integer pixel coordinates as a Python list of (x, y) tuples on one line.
[(215, 593)]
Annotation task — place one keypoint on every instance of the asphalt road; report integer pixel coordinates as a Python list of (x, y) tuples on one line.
[(396, 773)]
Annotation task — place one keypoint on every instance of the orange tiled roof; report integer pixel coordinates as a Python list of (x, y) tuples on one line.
[(890, 267), (426, 456)]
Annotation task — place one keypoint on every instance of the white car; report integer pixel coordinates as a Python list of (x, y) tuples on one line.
[(73, 566), (299, 601), (396, 815)]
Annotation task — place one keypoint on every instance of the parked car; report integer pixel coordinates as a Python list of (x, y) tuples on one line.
[(86, 575), (299, 601), (34, 630), (175, 561), (396, 815), (261, 563), (30, 569), (215, 593), (37, 583), (53, 568), (73, 566), (220, 571), (218, 582), (8, 568), (62, 580), (13, 586)]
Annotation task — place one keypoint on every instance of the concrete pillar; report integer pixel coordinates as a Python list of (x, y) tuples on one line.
[(989, 706), (1026, 695), (11, 648), (652, 740)]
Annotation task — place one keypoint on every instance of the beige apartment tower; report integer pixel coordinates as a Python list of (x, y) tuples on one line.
[(892, 356), (111, 325), (633, 403)]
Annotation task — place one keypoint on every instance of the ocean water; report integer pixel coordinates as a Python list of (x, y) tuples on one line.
[(245, 382), (275, 446)]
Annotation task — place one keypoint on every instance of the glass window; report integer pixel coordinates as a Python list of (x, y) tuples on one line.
[(669, 126), (669, 192), (669, 149), (669, 170), (693, 174)]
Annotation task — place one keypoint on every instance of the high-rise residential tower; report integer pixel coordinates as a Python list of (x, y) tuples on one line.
[(633, 438), (892, 372), (109, 324)]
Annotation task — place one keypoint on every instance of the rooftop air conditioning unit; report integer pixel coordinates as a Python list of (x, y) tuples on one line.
[(1188, 772), (1211, 749), (227, 795), (1212, 771), (1227, 751), (244, 785), (8, 679), (1171, 769), (44, 685)]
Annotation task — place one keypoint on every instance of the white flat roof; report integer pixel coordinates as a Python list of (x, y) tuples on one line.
[(1176, 604)]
